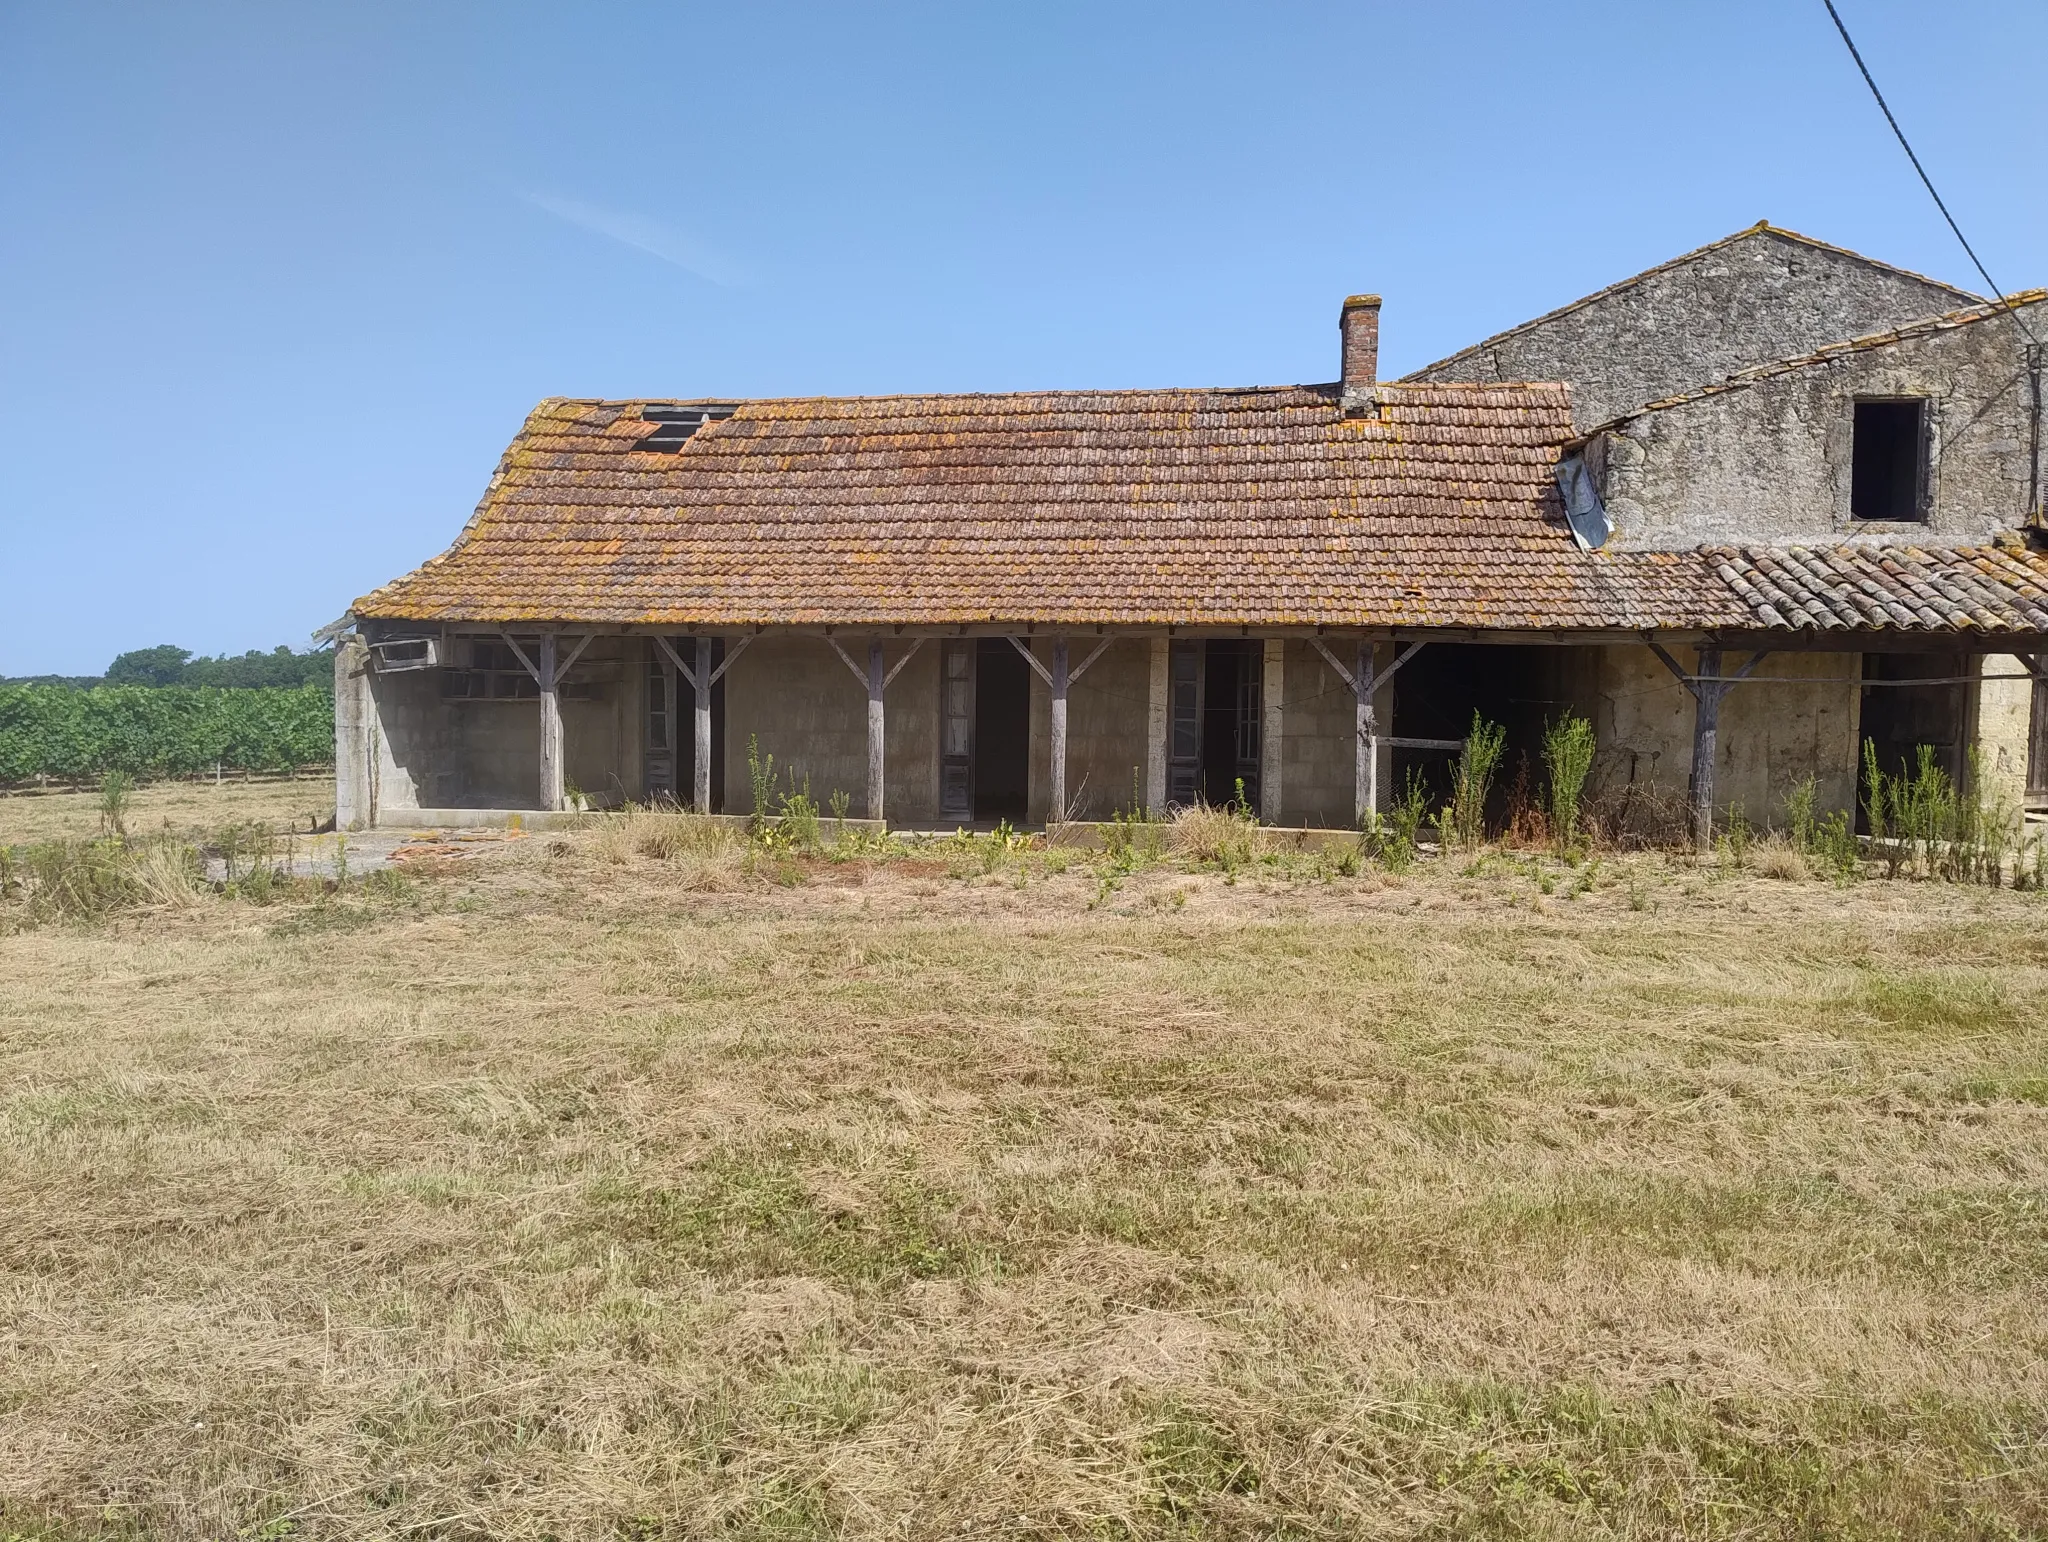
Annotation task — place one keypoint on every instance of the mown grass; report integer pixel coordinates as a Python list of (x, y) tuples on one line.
[(645, 1186)]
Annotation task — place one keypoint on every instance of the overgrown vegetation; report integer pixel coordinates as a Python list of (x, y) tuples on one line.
[(1568, 759)]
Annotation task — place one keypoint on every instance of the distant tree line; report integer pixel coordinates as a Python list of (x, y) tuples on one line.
[(168, 664), (163, 712)]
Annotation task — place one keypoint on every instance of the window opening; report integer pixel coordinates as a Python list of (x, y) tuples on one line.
[(1888, 470)]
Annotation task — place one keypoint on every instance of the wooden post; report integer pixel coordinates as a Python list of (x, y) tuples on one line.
[(877, 744), (550, 726), (1706, 725), (1058, 812), (1157, 708), (1366, 792), (700, 757)]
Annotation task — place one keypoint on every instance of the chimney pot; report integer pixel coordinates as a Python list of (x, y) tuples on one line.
[(1359, 326)]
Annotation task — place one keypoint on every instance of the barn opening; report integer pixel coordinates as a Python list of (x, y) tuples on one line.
[(1002, 731), (671, 747), (1437, 694), (1213, 744), (1899, 716)]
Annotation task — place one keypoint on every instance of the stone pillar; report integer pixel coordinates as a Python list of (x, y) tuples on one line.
[(355, 747), (1272, 687), (1158, 714)]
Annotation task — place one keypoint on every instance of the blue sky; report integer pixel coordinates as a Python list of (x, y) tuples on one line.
[(277, 282)]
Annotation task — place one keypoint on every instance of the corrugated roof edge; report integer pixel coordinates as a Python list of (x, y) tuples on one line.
[(1755, 375), (1761, 227)]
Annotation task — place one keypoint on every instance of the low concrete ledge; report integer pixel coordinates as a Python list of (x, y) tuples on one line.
[(476, 819), (568, 819), (1091, 835)]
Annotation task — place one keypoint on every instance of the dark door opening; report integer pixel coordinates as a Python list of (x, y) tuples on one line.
[(1522, 688), (1213, 732), (1230, 722), (1898, 719), (1001, 777), (672, 726)]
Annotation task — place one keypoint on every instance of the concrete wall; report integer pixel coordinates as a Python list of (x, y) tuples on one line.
[(800, 704), (1770, 463), (1759, 297), (1319, 720), (401, 745)]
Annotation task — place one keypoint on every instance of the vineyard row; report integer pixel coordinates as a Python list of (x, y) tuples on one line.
[(156, 731)]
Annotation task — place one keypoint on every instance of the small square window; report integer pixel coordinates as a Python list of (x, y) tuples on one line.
[(1888, 470)]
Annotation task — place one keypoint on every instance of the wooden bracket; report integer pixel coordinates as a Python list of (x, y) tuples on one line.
[(561, 668), (1080, 669), (860, 671), (731, 656), (689, 675), (1032, 659), (1344, 671), (890, 678)]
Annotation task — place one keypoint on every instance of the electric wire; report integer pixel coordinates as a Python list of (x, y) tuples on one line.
[(1997, 294)]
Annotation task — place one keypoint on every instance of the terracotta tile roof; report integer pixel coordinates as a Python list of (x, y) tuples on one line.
[(1219, 507), (1897, 588), (1260, 507)]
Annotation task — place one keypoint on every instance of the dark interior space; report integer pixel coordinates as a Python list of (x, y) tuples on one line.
[(1898, 719), (1439, 689), (1002, 731), (1230, 721), (672, 744), (1888, 466)]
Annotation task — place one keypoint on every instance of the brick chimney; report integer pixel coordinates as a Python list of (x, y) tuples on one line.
[(1359, 324)]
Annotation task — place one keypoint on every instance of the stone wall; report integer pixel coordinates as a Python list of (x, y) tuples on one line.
[(1757, 297), (1772, 735), (1770, 463)]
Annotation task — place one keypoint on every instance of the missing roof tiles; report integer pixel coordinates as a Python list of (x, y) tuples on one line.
[(676, 424)]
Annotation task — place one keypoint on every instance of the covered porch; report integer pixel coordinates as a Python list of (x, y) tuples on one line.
[(964, 726)]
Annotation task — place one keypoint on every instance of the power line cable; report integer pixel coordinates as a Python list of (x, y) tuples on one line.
[(1997, 294)]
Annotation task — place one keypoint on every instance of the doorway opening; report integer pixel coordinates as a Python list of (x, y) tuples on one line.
[(1521, 687), (1213, 744), (1897, 719), (671, 748), (1002, 731), (984, 731)]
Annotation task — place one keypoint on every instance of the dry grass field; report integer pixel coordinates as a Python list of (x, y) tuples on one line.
[(614, 1187), (187, 809)]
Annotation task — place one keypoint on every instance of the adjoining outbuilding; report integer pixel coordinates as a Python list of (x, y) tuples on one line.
[(1047, 606)]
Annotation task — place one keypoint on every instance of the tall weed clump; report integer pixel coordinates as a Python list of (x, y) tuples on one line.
[(1568, 758), (1478, 759), (1392, 836), (1921, 822)]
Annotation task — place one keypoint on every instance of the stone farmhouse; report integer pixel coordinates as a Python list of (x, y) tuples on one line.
[(1743, 511)]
